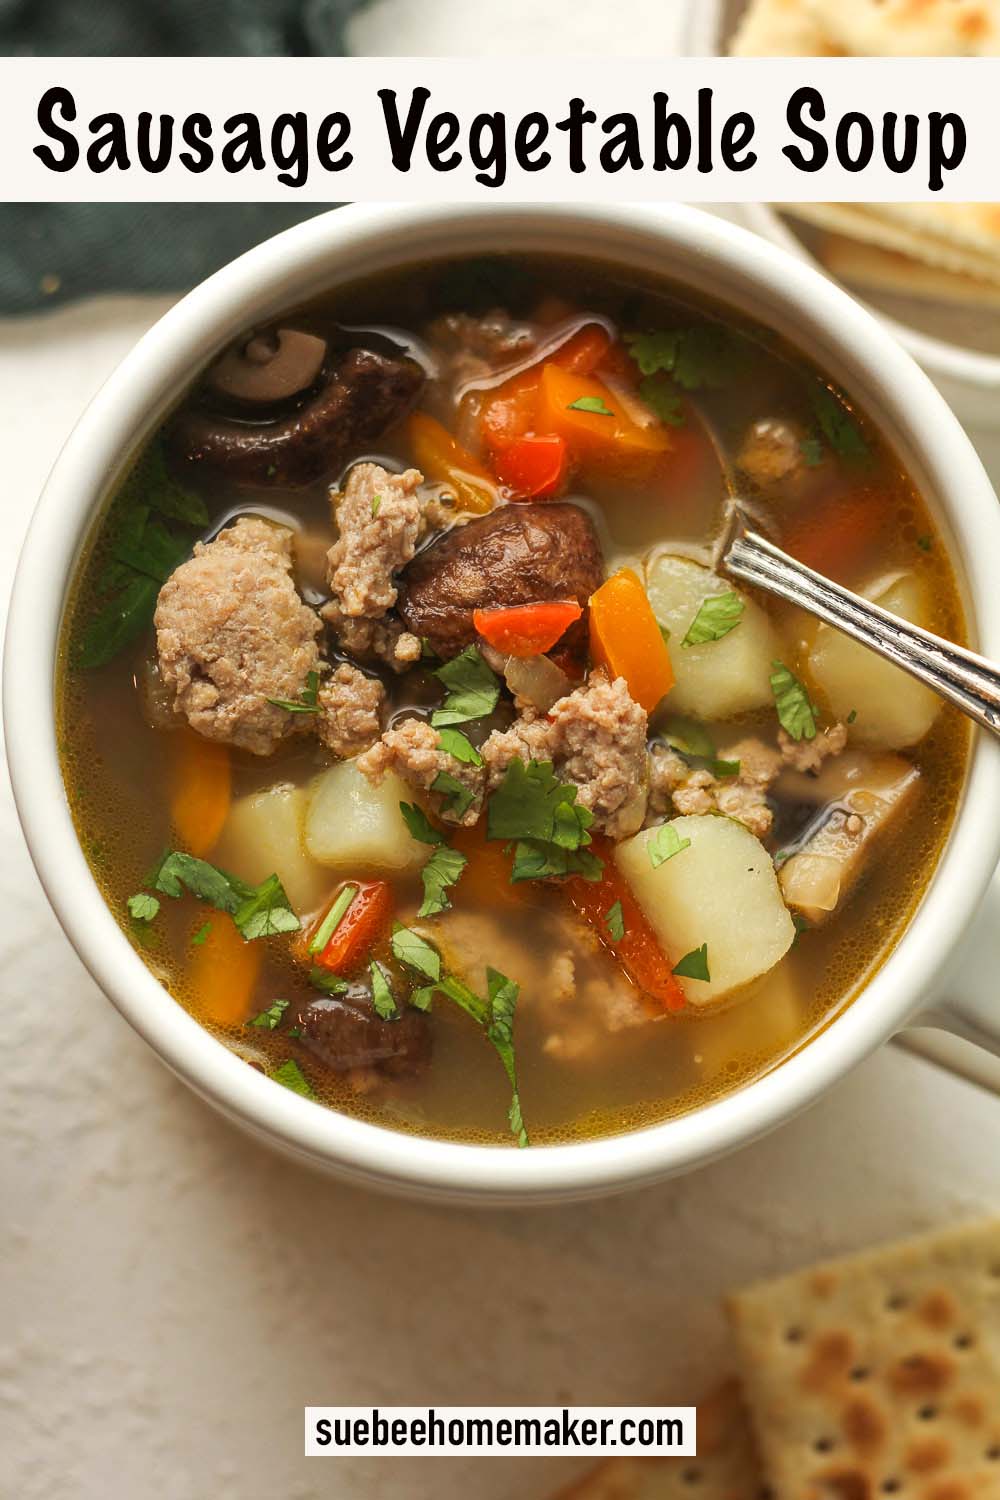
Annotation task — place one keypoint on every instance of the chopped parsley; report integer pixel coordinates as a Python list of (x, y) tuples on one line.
[(414, 951), (151, 527), (593, 404), (270, 1019), (924, 543), (383, 1000), (694, 965), (614, 921), (322, 979), (143, 907), (376, 505), (811, 449), (459, 746), (258, 911), (291, 1076), (542, 817), (717, 616), (796, 713), (306, 702), (472, 689), (456, 797), (664, 844), (838, 424), (725, 768), (420, 826), (689, 738), (441, 871), (704, 357), (324, 932), (201, 935), (852, 716), (663, 400)]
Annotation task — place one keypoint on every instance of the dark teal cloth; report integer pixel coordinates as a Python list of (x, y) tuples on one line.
[(53, 253)]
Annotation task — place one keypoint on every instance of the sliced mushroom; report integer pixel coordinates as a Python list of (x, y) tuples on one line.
[(271, 367), (362, 395)]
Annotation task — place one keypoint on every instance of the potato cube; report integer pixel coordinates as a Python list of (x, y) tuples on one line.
[(358, 828)]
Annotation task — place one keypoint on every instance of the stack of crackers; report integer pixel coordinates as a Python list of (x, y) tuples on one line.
[(875, 1376), (941, 252)]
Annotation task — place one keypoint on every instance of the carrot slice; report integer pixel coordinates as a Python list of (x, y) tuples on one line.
[(200, 791), (527, 629), (224, 971), (626, 639), (510, 411), (442, 459), (357, 916), (836, 536), (637, 950)]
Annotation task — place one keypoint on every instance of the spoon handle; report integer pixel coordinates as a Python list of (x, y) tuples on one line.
[(969, 681)]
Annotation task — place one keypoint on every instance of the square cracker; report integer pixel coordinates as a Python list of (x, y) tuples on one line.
[(879, 1375), (726, 1467)]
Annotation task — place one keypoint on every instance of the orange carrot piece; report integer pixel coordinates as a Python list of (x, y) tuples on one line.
[(443, 460), (224, 971), (626, 639), (486, 878), (527, 629), (638, 950), (200, 791), (836, 536), (596, 426)]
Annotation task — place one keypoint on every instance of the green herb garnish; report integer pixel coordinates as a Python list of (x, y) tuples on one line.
[(201, 935), (689, 738), (852, 716), (376, 505), (266, 912), (662, 399), (704, 357), (473, 690), (420, 826), (440, 872), (306, 702), (503, 993), (924, 543), (593, 404), (257, 910), (324, 932), (291, 1076), (838, 425), (270, 1019), (614, 921), (796, 713), (459, 746), (411, 949), (330, 984), (383, 1000), (664, 844), (812, 451), (543, 819), (694, 965), (717, 616), (143, 907), (456, 797)]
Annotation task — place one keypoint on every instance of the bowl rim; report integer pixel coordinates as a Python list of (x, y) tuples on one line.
[(128, 407)]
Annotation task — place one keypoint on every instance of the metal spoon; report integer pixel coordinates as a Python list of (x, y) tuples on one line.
[(966, 679)]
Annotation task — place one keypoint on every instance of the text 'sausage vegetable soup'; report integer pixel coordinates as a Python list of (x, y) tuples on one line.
[(424, 754)]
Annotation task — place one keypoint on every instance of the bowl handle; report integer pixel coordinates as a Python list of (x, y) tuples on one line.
[(968, 1001)]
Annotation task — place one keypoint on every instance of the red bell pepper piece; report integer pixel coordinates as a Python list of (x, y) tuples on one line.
[(351, 926), (527, 629), (532, 468)]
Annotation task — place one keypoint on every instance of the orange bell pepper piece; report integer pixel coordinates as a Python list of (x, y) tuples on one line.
[(442, 459), (200, 791), (836, 537), (626, 638), (224, 971), (527, 629), (511, 410), (638, 950)]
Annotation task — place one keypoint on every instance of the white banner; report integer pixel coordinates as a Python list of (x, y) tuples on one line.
[(499, 1431), (193, 129)]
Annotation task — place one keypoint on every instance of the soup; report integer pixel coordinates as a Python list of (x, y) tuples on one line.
[(423, 752)]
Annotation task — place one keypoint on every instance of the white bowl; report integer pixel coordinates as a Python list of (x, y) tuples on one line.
[(969, 379), (712, 256)]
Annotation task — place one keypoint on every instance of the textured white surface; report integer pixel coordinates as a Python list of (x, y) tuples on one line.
[(172, 1296)]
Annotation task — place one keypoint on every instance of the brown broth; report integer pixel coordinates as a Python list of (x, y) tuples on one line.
[(116, 770)]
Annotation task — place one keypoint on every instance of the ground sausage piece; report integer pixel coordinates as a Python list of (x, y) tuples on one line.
[(232, 632), (373, 640), (348, 1036), (412, 749), (596, 738), (809, 755), (378, 515), (350, 717), (776, 456), (518, 554)]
